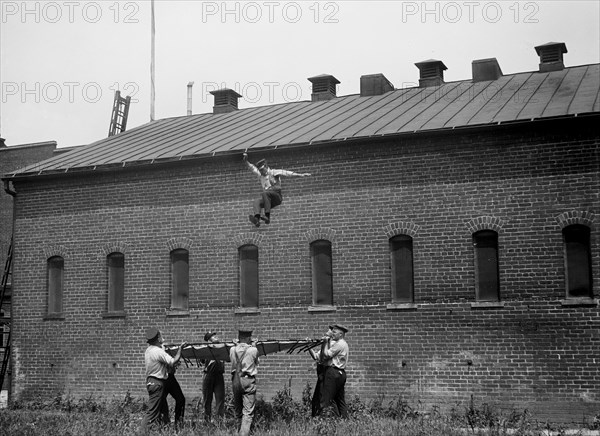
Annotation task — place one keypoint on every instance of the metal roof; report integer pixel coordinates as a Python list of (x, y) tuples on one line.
[(516, 97)]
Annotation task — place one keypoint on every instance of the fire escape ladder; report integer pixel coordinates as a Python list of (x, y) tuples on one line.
[(5, 321)]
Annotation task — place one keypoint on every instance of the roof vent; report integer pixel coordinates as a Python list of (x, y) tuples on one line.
[(551, 56), (226, 100), (374, 84), (485, 69), (323, 87), (431, 73)]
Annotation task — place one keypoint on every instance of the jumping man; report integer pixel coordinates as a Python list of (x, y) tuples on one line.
[(270, 180)]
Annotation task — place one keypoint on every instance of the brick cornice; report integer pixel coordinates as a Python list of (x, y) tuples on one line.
[(485, 222), (576, 217)]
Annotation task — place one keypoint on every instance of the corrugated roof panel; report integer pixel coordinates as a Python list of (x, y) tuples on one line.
[(562, 98), (140, 147), (490, 102), (462, 95), (362, 120), (511, 110), (264, 136), (479, 99), (382, 117), (320, 131), (260, 133), (538, 102), (195, 141), (431, 102), (372, 105), (226, 127), (448, 96), (514, 97), (587, 96), (305, 123)]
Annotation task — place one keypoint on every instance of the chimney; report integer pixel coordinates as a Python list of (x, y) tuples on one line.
[(551, 56), (374, 84), (431, 73), (226, 100), (323, 87), (485, 69), (189, 98)]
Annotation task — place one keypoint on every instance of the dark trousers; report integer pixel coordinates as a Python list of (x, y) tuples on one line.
[(157, 397), (269, 199), (316, 398), (172, 388), (213, 384), (333, 391)]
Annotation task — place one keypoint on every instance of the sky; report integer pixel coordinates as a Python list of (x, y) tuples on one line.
[(62, 61)]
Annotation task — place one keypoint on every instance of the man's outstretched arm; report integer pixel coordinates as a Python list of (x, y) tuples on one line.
[(251, 166), (289, 173)]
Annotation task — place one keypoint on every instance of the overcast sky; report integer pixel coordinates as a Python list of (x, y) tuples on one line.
[(61, 61)]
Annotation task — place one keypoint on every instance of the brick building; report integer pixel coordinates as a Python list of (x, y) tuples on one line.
[(10, 158), (451, 226)]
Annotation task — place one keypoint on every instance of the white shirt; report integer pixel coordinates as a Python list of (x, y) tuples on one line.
[(158, 362)]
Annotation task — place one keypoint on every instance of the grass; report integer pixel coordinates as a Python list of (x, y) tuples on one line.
[(282, 416)]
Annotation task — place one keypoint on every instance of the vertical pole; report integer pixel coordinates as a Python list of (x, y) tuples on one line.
[(152, 67)]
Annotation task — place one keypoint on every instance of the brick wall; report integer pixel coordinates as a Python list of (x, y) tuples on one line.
[(532, 353), (12, 158)]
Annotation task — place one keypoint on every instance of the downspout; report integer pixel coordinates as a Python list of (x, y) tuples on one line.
[(8, 190)]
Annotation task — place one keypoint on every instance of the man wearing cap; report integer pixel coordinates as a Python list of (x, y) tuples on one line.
[(213, 382), (270, 180), (244, 368), (334, 356), (158, 362)]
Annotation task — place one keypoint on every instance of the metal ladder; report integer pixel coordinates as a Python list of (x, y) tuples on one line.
[(120, 111), (5, 321)]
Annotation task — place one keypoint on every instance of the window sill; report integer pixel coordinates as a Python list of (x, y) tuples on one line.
[(571, 302), (402, 306), (58, 316), (242, 310), (173, 313), (487, 305), (322, 309), (115, 314)]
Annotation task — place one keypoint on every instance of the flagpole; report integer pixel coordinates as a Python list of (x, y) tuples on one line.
[(152, 68)]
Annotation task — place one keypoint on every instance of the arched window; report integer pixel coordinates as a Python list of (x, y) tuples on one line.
[(55, 284), (248, 255), (115, 264), (180, 277), (487, 282), (401, 256), (322, 273), (578, 261)]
